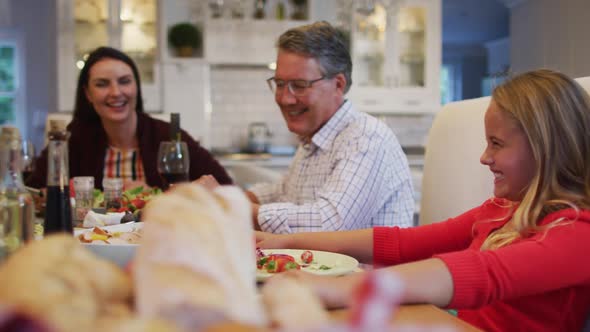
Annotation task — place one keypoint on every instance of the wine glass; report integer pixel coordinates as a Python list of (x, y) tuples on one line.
[(28, 158), (173, 162)]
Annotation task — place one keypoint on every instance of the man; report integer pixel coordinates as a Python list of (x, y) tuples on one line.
[(349, 171)]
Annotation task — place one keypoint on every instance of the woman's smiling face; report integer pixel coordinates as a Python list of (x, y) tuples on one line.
[(112, 90), (508, 154)]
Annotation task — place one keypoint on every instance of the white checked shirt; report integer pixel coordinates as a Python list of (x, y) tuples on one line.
[(352, 175)]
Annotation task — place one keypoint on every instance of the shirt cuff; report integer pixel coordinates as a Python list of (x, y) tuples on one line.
[(271, 220), (385, 246)]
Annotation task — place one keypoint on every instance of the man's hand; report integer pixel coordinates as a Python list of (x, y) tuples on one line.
[(207, 181), (255, 208)]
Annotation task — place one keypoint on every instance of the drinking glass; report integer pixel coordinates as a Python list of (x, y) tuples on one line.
[(28, 158), (173, 162)]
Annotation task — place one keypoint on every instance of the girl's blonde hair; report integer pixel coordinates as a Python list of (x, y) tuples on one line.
[(554, 112)]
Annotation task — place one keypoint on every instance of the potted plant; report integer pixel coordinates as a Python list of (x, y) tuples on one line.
[(185, 38)]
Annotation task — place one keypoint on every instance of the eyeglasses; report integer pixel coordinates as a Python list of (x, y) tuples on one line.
[(296, 87)]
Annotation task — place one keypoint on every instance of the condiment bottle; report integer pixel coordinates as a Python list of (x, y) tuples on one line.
[(58, 212), (113, 193), (84, 196)]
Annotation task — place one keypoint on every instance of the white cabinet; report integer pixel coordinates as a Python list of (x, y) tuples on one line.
[(244, 42), (187, 92), (129, 25), (396, 51)]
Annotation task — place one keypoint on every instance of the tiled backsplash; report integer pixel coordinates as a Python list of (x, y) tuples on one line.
[(240, 96)]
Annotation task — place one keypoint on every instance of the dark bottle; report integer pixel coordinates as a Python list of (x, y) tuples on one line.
[(58, 211), (173, 156)]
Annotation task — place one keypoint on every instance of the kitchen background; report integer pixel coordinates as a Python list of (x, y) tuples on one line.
[(466, 43)]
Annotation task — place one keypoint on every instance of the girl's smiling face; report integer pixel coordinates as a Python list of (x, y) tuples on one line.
[(508, 154)]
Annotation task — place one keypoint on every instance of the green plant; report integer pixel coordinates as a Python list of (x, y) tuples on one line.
[(184, 34)]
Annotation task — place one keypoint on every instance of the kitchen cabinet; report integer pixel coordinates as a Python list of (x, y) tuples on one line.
[(187, 92), (129, 25), (244, 42), (396, 52)]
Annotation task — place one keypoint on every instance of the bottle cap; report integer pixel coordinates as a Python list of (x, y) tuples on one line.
[(57, 130), (112, 183), (10, 136)]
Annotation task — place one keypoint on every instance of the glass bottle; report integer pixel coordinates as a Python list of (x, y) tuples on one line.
[(17, 209), (58, 211), (113, 193), (173, 156), (259, 9)]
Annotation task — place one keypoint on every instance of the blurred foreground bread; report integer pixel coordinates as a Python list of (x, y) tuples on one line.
[(60, 282), (292, 304), (196, 265)]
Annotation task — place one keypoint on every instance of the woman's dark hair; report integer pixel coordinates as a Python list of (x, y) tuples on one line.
[(83, 109)]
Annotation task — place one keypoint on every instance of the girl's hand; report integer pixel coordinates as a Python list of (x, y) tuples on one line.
[(271, 241), (334, 292)]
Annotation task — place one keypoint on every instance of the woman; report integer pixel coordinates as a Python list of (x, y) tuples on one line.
[(517, 262), (112, 136)]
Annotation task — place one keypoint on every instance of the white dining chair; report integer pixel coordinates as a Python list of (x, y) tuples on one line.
[(454, 181)]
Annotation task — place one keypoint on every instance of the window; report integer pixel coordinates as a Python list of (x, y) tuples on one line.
[(450, 82), (10, 85)]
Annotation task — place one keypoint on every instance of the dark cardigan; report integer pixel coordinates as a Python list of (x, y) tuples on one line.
[(88, 144)]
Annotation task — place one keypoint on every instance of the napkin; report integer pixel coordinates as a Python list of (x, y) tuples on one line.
[(94, 219)]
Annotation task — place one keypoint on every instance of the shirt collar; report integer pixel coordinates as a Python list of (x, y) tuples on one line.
[(325, 136)]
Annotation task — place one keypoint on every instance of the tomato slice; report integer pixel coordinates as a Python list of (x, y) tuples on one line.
[(307, 257), (283, 256), (275, 263)]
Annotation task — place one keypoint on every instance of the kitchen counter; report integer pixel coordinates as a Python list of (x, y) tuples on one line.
[(256, 159)]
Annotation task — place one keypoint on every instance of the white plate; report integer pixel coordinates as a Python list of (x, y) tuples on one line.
[(126, 227), (339, 264), (119, 254)]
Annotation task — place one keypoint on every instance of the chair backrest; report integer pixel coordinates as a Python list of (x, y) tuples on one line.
[(454, 181)]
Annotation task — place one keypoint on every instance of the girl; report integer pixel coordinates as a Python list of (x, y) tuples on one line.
[(517, 262)]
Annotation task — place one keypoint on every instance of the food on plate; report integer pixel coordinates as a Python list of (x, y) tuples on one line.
[(132, 200), (60, 282), (194, 266), (275, 263), (307, 257), (102, 235)]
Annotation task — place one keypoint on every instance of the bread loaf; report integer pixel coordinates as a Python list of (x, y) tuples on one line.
[(196, 264), (59, 281)]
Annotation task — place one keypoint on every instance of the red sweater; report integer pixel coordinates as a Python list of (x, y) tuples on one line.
[(541, 283)]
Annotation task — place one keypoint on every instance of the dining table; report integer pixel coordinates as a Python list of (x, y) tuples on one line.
[(423, 315)]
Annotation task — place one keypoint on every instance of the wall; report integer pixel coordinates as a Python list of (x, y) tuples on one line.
[(33, 19), (469, 62), (240, 96), (551, 34), (498, 55)]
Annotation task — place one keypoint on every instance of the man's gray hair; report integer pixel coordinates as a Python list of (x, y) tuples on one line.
[(323, 42)]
